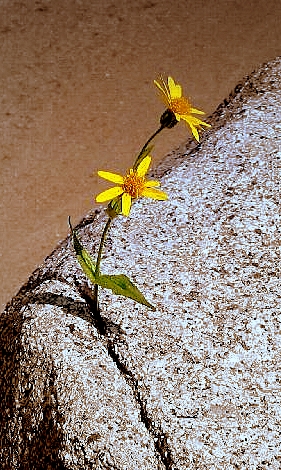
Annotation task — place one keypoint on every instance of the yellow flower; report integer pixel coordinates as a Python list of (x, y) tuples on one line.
[(132, 186), (180, 105)]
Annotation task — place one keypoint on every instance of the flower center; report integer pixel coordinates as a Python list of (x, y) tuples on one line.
[(180, 105), (133, 184)]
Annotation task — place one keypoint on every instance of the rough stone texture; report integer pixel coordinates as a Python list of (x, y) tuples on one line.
[(195, 384)]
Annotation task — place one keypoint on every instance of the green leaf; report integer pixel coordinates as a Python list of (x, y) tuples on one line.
[(118, 283), (84, 258), (121, 285)]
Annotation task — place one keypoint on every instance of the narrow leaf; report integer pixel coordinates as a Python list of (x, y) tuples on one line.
[(83, 257)]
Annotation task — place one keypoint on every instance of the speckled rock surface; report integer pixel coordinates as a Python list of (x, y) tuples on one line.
[(195, 384)]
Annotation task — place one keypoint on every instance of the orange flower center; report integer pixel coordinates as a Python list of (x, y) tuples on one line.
[(180, 105), (133, 184)]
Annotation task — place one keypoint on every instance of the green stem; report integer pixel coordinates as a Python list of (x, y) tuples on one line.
[(107, 225), (146, 144), (105, 230), (97, 270)]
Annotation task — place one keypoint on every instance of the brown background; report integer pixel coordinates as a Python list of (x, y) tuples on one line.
[(78, 95)]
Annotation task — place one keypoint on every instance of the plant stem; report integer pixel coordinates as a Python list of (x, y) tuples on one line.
[(105, 230), (97, 270), (151, 138), (146, 144), (107, 225)]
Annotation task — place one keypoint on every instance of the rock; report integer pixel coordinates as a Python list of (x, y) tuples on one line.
[(195, 384)]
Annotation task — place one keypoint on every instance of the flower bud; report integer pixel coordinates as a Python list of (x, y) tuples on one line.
[(168, 119), (114, 208)]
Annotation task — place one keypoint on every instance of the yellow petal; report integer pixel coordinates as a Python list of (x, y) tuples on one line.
[(143, 166), (109, 194), (152, 184), (194, 132), (191, 120), (126, 204), (194, 123), (205, 124), (175, 90), (154, 194), (196, 111), (163, 87), (113, 177), (160, 87)]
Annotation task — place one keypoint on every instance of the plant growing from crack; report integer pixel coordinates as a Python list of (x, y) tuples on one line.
[(133, 186)]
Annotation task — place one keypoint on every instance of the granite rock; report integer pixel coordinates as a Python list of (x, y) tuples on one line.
[(195, 384)]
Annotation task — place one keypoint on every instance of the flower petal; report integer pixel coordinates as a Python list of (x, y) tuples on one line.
[(160, 87), (196, 111), (163, 87), (109, 194), (202, 123), (195, 121), (113, 177), (175, 90), (143, 166), (154, 194), (126, 204), (151, 184), (194, 132)]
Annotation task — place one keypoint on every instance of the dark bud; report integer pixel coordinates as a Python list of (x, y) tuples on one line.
[(168, 119)]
